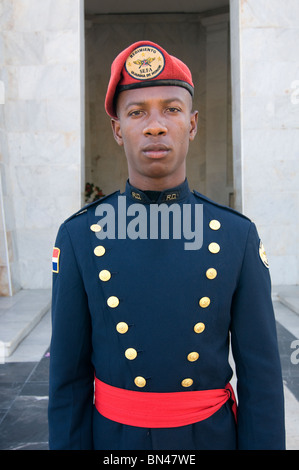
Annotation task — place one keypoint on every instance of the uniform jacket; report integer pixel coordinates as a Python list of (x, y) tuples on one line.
[(158, 286)]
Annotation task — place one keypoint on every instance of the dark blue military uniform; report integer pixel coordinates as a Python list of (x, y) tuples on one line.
[(150, 309)]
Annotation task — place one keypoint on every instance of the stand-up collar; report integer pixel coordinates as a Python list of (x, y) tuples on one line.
[(176, 194)]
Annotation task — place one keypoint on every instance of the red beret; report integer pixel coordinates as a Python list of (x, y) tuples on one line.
[(144, 64)]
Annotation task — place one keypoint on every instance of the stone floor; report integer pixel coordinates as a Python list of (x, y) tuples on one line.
[(24, 382), (23, 402), (24, 392)]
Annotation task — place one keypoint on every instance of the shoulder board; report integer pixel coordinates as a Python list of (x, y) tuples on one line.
[(91, 204), (221, 206)]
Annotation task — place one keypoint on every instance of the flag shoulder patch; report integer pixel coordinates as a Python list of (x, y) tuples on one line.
[(55, 260)]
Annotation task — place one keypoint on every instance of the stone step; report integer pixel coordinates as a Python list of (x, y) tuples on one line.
[(288, 296), (19, 314)]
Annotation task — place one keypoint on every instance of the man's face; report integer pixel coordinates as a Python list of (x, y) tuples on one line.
[(155, 126)]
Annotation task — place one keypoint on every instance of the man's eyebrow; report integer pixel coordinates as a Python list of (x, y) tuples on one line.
[(135, 103), (164, 101), (171, 100)]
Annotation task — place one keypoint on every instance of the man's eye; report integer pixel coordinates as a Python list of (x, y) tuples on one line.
[(136, 112), (173, 109)]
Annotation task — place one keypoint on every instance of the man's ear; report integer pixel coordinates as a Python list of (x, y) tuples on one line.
[(193, 124), (117, 131)]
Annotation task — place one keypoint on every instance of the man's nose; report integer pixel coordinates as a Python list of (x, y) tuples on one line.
[(155, 126)]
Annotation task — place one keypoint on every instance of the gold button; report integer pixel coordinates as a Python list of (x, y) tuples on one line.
[(187, 382), (193, 356), (99, 250), (122, 327), (140, 381), (204, 302), (199, 327), (131, 353), (214, 247), (105, 275), (95, 228), (113, 301), (211, 273), (215, 224)]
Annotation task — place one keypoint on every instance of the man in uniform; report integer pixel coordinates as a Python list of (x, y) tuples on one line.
[(143, 322)]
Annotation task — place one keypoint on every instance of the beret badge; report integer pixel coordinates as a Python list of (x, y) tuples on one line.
[(145, 63)]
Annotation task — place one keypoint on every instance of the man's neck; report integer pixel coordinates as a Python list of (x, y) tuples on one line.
[(156, 184)]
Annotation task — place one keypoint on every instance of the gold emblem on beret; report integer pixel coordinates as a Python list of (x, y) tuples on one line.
[(263, 255), (145, 63)]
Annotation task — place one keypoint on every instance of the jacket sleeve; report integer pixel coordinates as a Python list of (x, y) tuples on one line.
[(71, 371), (256, 355)]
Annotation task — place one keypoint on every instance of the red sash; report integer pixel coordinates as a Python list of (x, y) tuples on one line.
[(159, 410)]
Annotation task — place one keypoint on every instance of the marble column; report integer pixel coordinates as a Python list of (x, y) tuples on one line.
[(218, 118), (265, 74), (42, 130)]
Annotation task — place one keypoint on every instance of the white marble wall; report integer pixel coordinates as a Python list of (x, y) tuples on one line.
[(42, 127), (265, 76), (218, 176)]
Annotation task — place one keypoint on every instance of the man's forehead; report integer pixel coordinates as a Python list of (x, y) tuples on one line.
[(159, 94)]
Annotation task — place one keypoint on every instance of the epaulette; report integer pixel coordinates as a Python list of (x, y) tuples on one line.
[(89, 205), (220, 206)]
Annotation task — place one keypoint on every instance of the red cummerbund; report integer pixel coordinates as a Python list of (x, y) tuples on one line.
[(159, 410)]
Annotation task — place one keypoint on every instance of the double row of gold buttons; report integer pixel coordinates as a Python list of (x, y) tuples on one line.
[(122, 327), (113, 302), (204, 302)]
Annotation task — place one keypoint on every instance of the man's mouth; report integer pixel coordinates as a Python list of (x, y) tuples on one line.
[(155, 151)]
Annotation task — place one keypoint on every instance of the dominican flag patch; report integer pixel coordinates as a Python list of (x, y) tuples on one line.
[(55, 260)]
